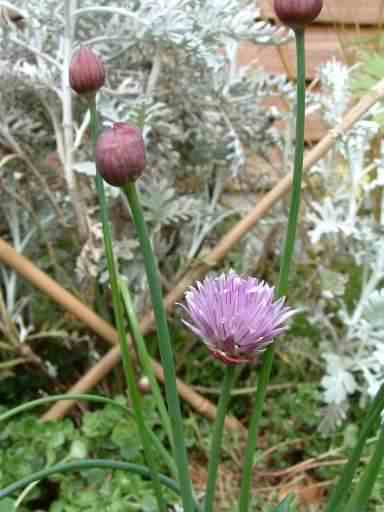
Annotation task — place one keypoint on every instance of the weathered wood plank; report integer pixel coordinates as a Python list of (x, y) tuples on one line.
[(336, 33), (356, 12), (322, 43)]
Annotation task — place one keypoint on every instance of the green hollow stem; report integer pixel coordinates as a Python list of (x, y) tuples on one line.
[(289, 244), (146, 362), (214, 454), (165, 348), (54, 398), (119, 318), (341, 490), (89, 398), (83, 465), (360, 497), (285, 263)]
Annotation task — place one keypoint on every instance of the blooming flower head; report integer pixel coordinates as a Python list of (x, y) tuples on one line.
[(236, 317)]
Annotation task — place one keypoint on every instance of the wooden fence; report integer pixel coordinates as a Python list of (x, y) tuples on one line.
[(338, 32)]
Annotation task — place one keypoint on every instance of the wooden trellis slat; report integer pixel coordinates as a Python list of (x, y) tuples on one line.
[(323, 42)]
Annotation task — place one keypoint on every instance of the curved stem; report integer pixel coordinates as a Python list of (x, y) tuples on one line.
[(82, 465), (164, 346), (343, 485), (89, 398), (214, 454), (54, 398), (24, 494), (262, 383), (285, 263), (119, 317), (66, 96)]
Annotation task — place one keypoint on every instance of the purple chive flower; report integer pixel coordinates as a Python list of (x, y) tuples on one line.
[(235, 316)]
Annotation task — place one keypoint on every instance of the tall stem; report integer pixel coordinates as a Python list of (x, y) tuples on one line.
[(285, 263), (214, 454), (286, 257), (165, 347), (145, 360), (119, 318), (359, 499), (343, 485), (83, 465), (70, 178)]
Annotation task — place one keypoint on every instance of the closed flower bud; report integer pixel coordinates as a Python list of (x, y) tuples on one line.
[(297, 13), (120, 154), (86, 72), (144, 385)]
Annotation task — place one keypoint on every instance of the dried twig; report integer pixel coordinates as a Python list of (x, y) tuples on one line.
[(28, 270), (272, 488), (22, 155), (66, 95), (301, 467)]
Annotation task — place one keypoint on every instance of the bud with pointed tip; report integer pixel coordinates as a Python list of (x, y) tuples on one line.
[(120, 154), (86, 72), (297, 13)]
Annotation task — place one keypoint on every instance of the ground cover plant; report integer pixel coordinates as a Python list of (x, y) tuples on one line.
[(340, 273)]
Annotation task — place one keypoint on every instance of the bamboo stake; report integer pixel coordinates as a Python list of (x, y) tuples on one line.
[(200, 404), (41, 280)]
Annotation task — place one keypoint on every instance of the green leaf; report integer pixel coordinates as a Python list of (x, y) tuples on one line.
[(7, 505), (125, 436), (100, 423), (79, 449), (287, 505)]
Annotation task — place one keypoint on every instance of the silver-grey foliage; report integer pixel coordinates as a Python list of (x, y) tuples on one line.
[(172, 68), (344, 230)]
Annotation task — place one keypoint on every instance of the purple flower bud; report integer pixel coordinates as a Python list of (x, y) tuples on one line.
[(120, 154), (297, 13), (235, 316), (86, 72)]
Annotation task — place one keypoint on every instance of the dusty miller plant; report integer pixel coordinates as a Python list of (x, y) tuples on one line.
[(172, 68), (197, 117), (18, 330), (346, 227), (343, 223)]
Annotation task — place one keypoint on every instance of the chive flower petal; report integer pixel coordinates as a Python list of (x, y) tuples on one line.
[(236, 317)]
